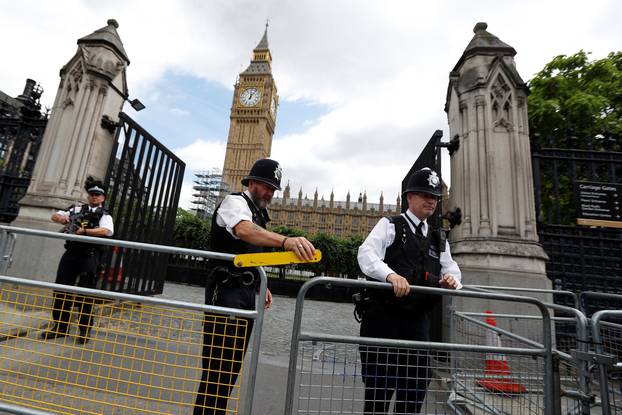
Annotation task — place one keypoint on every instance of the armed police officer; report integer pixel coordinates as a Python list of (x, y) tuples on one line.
[(238, 226), (403, 251), (79, 263)]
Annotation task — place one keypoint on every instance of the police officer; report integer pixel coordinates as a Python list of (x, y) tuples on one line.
[(238, 226), (80, 260), (403, 250)]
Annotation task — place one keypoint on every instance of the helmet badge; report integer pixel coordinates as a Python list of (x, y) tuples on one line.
[(278, 172), (433, 179)]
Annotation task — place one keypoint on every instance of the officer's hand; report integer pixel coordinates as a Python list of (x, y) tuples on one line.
[(80, 231), (268, 302), (301, 247), (448, 281), (400, 284)]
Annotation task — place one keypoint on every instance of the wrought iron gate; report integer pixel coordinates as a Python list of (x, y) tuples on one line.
[(144, 181), (21, 129), (581, 258)]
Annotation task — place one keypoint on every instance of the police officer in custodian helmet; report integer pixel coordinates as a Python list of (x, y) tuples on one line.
[(238, 226), (78, 265), (403, 251)]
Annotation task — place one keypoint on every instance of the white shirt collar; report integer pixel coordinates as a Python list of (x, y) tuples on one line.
[(416, 221)]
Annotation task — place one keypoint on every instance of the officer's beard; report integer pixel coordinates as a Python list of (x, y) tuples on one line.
[(259, 201)]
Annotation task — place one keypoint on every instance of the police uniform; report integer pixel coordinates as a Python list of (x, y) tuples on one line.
[(224, 345), (407, 246), (78, 266)]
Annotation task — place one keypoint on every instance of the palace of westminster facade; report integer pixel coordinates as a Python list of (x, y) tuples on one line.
[(253, 120)]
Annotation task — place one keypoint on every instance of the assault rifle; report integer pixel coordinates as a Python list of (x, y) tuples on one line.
[(77, 220)]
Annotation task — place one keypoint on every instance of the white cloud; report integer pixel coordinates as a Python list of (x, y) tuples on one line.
[(200, 155), (380, 67), (179, 112)]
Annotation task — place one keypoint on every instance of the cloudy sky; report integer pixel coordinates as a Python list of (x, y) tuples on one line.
[(362, 83)]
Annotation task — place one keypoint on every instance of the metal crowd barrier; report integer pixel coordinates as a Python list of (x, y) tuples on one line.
[(7, 243), (142, 355), (325, 371), (592, 301), (607, 335), (574, 298), (571, 356)]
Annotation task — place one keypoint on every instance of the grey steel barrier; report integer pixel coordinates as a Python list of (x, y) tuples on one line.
[(576, 356), (607, 338), (257, 315), (609, 301), (574, 373), (573, 296), (7, 244), (550, 395)]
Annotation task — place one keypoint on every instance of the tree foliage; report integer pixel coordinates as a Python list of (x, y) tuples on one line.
[(338, 254), (287, 231), (573, 99), (191, 231), (575, 103)]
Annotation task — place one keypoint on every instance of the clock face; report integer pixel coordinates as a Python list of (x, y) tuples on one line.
[(250, 97)]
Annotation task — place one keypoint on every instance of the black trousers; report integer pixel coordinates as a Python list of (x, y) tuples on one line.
[(75, 267), (225, 342), (386, 371)]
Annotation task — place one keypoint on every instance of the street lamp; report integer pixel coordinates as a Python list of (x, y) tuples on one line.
[(106, 122), (136, 104)]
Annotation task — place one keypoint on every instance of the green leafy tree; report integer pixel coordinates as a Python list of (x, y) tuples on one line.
[(287, 231), (328, 245), (574, 99), (349, 262), (575, 103), (191, 231), (338, 254)]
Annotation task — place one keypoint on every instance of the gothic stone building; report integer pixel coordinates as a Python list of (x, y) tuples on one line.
[(333, 217)]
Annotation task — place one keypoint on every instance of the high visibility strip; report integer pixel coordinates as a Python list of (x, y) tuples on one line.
[(272, 258)]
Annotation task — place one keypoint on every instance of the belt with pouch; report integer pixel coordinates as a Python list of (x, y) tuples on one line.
[(226, 276)]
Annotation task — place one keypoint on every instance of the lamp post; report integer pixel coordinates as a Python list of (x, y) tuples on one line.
[(107, 122)]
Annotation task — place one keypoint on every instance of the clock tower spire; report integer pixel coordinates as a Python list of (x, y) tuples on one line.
[(253, 116)]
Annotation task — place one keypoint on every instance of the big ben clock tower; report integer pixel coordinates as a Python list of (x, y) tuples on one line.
[(253, 116)]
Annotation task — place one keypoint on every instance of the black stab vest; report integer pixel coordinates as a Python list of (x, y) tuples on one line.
[(415, 258), (92, 219), (223, 241)]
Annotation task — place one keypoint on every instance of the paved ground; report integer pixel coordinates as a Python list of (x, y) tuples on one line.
[(109, 361), (123, 347), (318, 316)]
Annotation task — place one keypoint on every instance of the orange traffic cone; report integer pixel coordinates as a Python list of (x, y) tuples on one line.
[(498, 373), (115, 253)]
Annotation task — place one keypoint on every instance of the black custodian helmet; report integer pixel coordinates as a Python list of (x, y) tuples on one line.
[(95, 186), (425, 181), (267, 171)]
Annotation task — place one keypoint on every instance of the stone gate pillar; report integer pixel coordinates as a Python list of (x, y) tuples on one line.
[(75, 145), (491, 176)]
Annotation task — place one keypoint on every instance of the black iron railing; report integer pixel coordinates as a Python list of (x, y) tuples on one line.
[(21, 131), (581, 258), (144, 183)]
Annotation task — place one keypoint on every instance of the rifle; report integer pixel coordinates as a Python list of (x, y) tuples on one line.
[(77, 220)]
